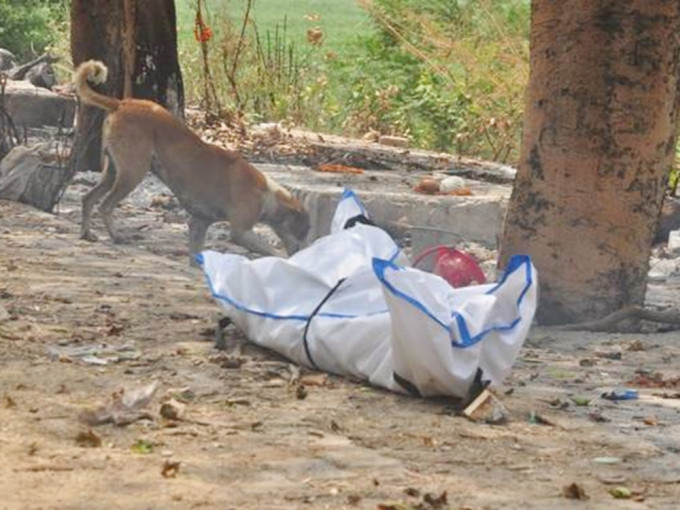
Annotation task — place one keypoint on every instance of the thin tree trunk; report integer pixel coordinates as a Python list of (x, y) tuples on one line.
[(599, 139)]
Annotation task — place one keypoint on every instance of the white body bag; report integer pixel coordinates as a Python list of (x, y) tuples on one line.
[(350, 304)]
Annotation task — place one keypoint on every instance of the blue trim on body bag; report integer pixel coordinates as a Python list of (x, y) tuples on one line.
[(348, 193), (302, 318), (515, 263)]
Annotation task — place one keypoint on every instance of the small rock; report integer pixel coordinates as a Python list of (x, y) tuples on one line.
[(172, 410)]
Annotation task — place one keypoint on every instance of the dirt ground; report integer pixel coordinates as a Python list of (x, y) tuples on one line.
[(256, 433)]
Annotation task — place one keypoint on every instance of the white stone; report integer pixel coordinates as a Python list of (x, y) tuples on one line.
[(451, 183), (674, 242)]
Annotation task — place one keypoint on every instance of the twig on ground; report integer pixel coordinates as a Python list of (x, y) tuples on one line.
[(609, 322)]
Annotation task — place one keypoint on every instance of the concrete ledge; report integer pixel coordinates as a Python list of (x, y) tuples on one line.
[(390, 200)]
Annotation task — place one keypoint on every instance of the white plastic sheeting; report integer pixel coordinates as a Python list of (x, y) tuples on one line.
[(351, 304)]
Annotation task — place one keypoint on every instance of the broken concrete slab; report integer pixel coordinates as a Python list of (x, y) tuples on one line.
[(31, 106), (26, 176), (391, 202)]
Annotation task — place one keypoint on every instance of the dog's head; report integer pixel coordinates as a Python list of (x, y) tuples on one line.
[(290, 221)]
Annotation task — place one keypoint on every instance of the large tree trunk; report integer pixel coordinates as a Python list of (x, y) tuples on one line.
[(599, 139), (98, 31)]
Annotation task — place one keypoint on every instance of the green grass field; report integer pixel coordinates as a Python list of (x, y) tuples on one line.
[(340, 20)]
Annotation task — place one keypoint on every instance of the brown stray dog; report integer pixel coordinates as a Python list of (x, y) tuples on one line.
[(211, 183)]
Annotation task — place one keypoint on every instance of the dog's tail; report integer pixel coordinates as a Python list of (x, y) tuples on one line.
[(95, 72)]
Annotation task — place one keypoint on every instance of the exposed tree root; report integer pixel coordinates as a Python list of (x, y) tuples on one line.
[(610, 322)]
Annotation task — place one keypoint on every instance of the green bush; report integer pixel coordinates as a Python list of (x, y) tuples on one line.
[(449, 74), (26, 25)]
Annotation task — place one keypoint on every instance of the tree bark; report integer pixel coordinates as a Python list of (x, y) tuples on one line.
[(599, 139), (98, 31)]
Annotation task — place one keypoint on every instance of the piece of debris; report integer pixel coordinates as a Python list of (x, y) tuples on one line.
[(580, 401), (96, 354), (125, 408), (427, 185), (621, 492), (436, 502), (647, 379), (142, 447), (183, 395), (315, 36), (170, 469), (172, 410), (598, 417), (607, 460), (339, 169), (301, 392), (353, 499), (667, 395), (612, 479), (486, 408), (462, 192), (614, 356), (8, 402), (88, 439), (538, 419), (314, 379), (652, 421), (4, 314), (574, 491), (429, 502), (621, 395), (636, 346)]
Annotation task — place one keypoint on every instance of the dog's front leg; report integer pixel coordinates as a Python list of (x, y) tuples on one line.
[(197, 230), (251, 241)]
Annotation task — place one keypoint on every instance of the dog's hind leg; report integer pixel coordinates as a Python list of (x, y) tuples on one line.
[(93, 196), (198, 227), (130, 170)]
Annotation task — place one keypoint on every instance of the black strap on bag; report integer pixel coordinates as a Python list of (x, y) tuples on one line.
[(407, 385), (305, 340), (360, 218)]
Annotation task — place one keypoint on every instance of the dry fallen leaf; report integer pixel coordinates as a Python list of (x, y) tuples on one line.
[(88, 439), (574, 491), (170, 469), (8, 402)]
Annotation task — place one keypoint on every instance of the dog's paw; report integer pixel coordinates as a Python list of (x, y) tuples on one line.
[(89, 236)]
